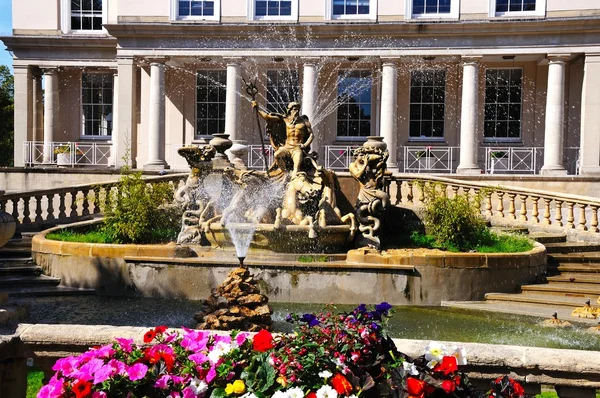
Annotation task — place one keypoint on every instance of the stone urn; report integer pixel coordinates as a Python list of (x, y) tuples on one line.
[(375, 142), (221, 143), (7, 226), (237, 153)]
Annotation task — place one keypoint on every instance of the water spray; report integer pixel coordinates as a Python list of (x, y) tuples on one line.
[(251, 90)]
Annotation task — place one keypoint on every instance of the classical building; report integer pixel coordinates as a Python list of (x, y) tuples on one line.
[(464, 86)]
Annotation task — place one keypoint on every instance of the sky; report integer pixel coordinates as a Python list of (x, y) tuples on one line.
[(5, 30)]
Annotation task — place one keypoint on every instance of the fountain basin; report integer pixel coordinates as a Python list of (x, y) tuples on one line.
[(286, 239)]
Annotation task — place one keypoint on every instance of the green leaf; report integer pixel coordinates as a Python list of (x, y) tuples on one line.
[(218, 393)]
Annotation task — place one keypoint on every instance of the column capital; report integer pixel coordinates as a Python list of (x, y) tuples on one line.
[(390, 61), (50, 71), (471, 59), (558, 58), (157, 60), (233, 60), (310, 60)]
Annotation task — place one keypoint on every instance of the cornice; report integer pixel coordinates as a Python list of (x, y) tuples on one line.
[(73, 42)]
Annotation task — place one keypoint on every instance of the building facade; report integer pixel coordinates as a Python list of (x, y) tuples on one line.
[(465, 86)]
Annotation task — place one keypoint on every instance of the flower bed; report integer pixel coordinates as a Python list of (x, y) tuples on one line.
[(328, 356)]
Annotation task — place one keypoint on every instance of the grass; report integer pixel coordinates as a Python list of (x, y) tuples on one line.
[(494, 243), (34, 382), (312, 259), (158, 235)]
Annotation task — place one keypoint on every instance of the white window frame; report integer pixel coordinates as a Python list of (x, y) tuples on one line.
[(253, 17), (453, 14), (82, 134), (488, 140), (371, 16), (200, 71), (422, 137), (540, 11), (372, 121), (175, 13), (65, 19)]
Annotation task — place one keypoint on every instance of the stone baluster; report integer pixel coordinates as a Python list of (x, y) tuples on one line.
[(409, 194), (535, 211), (15, 209), (500, 207), (421, 192), (50, 209), (455, 189), (558, 215), (547, 220), (570, 215), (523, 213), (444, 188), (512, 209), (62, 215), (38, 209), (594, 222), (488, 204), (96, 191), (398, 191), (85, 211), (582, 219), (26, 210), (73, 214)]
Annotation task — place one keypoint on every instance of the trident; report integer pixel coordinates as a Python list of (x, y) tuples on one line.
[(251, 90)]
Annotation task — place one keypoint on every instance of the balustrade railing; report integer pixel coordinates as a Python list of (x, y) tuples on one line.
[(36, 210), (510, 160), (67, 153), (338, 157), (429, 159), (256, 157), (507, 204)]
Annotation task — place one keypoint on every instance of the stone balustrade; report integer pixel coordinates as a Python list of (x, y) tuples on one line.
[(572, 214), (39, 209)]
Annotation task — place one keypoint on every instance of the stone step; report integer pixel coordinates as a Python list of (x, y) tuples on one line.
[(27, 280), (548, 237), (15, 252), (564, 289), (538, 299), (5, 260), (572, 247), (19, 270), (581, 257), (43, 291), (569, 268), (574, 278)]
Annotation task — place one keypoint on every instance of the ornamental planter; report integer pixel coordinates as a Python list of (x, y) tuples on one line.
[(63, 159)]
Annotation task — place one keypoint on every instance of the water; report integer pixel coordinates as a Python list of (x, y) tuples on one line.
[(425, 323)]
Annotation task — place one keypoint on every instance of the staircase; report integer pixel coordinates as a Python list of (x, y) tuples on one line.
[(573, 277), (20, 277)]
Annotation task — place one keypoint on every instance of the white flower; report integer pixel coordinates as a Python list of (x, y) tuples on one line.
[(218, 351), (410, 368), (338, 362), (434, 351), (461, 355), (326, 392), (198, 386), (325, 374), (280, 394), (295, 392)]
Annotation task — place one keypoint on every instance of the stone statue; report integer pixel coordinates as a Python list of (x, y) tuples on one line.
[(369, 169), (290, 134)]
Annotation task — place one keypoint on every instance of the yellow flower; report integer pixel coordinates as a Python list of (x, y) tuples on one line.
[(282, 380), (239, 387), (229, 389)]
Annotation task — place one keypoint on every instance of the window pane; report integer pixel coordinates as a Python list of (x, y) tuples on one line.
[(96, 103), (351, 7), (210, 101), (261, 8), (418, 6), (503, 103), (428, 92), (501, 5), (354, 99)]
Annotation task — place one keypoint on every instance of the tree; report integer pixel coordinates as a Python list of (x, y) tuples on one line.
[(7, 106)]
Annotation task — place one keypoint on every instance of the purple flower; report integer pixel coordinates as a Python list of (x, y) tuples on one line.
[(383, 308), (137, 371), (311, 319), (361, 309)]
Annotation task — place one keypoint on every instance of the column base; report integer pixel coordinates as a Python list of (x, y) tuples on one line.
[(589, 170), (473, 170), (156, 166), (553, 171)]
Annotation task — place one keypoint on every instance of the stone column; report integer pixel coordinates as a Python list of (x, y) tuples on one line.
[(555, 117), (50, 110), (115, 119), (37, 107), (589, 149), (389, 111), (156, 118), (469, 118), (22, 114), (309, 99), (232, 99), (124, 137)]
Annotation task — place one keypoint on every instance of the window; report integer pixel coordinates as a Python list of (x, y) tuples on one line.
[(97, 104), (354, 104), (351, 9), (85, 16), (432, 9), (503, 97), (282, 88), (499, 8), (210, 102), (197, 9), (427, 104), (273, 9)]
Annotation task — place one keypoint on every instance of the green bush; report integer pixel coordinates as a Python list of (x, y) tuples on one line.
[(138, 212), (455, 223)]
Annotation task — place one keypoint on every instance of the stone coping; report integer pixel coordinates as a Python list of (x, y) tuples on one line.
[(565, 367)]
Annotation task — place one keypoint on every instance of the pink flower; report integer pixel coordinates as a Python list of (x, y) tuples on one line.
[(137, 371), (125, 344), (189, 393), (162, 382), (241, 338), (99, 394), (118, 366), (195, 340), (66, 365), (104, 351), (87, 371), (210, 376), (54, 389), (198, 358)]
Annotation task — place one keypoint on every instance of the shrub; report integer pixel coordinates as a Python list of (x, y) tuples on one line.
[(454, 223), (138, 212)]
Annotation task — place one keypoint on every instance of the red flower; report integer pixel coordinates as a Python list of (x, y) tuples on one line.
[(149, 336), (311, 395), (82, 388), (262, 341), (448, 365), (341, 384), (415, 387), (160, 329), (448, 386)]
